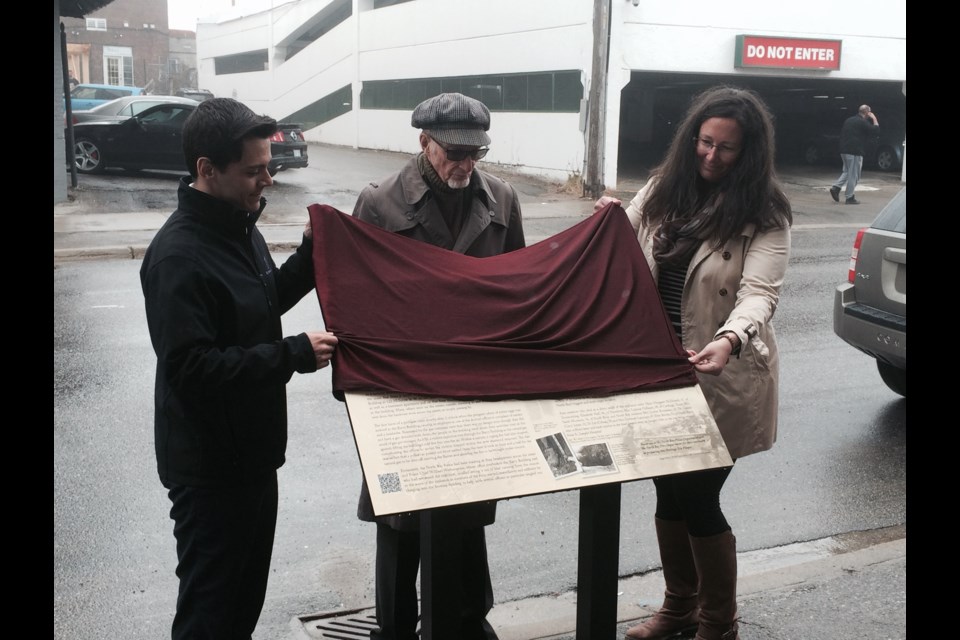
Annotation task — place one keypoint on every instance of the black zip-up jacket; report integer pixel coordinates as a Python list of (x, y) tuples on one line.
[(213, 299)]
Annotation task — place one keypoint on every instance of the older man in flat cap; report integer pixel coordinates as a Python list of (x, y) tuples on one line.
[(441, 198)]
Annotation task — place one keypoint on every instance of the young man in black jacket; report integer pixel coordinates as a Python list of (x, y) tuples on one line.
[(213, 299)]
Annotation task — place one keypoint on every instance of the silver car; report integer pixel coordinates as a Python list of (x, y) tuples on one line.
[(123, 108), (870, 309)]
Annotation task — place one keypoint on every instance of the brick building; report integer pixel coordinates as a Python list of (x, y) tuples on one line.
[(182, 66), (126, 42)]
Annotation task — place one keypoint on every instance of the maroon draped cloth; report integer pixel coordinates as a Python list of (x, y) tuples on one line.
[(576, 314)]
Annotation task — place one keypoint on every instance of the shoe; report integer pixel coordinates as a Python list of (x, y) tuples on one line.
[(679, 613), (835, 193), (852, 200), (716, 561)]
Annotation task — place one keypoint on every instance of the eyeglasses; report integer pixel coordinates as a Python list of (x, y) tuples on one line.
[(707, 146), (459, 155)]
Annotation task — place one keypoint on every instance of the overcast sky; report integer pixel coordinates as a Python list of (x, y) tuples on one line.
[(183, 14)]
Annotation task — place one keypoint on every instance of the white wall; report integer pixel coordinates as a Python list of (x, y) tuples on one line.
[(214, 39), (323, 66), (433, 38), (438, 38), (454, 38), (546, 144)]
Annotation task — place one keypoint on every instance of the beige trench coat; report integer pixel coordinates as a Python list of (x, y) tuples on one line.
[(734, 288)]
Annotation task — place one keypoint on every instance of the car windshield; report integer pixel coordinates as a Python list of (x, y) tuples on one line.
[(168, 114), (83, 92), (111, 108)]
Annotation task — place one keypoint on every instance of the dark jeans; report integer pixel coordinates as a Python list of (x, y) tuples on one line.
[(695, 498), (224, 544), (398, 562)]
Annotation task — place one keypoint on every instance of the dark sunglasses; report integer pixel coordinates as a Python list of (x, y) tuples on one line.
[(458, 155)]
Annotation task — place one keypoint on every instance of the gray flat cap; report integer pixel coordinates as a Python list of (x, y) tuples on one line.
[(453, 118)]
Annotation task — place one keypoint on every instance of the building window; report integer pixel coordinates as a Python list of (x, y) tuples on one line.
[(96, 24), (241, 62), (551, 91), (118, 66)]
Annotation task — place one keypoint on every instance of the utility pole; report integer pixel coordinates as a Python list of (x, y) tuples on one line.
[(68, 103), (596, 101)]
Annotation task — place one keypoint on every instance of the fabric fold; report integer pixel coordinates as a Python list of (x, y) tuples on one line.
[(575, 314)]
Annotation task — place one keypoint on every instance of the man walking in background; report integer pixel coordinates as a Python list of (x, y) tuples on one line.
[(854, 135)]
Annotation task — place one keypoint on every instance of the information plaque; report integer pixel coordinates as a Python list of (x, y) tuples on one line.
[(420, 453)]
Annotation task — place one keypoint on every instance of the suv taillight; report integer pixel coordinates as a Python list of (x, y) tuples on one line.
[(852, 273), (277, 137)]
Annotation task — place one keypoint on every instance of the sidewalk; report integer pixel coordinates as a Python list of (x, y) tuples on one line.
[(856, 589), (87, 229), (846, 587)]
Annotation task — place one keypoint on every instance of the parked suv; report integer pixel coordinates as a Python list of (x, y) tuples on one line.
[(870, 309)]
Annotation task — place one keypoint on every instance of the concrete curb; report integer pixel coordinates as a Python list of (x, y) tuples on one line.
[(554, 617), (763, 573), (136, 252), (99, 253)]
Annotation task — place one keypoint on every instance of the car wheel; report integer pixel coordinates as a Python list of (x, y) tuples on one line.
[(272, 171), (895, 379), (886, 159), (87, 156), (811, 154)]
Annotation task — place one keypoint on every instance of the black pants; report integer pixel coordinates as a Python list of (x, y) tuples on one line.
[(695, 498), (224, 544), (398, 562)]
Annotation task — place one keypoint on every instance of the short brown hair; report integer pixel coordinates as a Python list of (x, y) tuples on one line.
[(217, 128)]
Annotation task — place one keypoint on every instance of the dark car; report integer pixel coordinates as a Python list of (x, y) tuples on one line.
[(123, 108), (883, 152), (288, 147), (870, 308), (148, 140)]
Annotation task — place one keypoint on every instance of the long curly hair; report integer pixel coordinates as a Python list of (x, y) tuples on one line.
[(681, 201)]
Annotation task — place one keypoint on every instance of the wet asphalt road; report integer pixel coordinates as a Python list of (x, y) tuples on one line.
[(839, 464)]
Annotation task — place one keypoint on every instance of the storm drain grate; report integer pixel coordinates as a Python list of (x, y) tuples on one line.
[(348, 625)]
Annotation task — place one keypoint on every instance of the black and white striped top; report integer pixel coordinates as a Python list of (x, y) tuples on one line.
[(670, 285)]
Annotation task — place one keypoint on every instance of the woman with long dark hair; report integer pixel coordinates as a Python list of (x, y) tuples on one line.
[(714, 225)]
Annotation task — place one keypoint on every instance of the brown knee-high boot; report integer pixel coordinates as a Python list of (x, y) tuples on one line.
[(679, 610), (716, 560)]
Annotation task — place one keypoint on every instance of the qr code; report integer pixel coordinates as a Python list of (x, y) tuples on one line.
[(389, 482)]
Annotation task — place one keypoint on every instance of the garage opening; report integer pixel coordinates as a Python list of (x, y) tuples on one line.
[(808, 115)]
